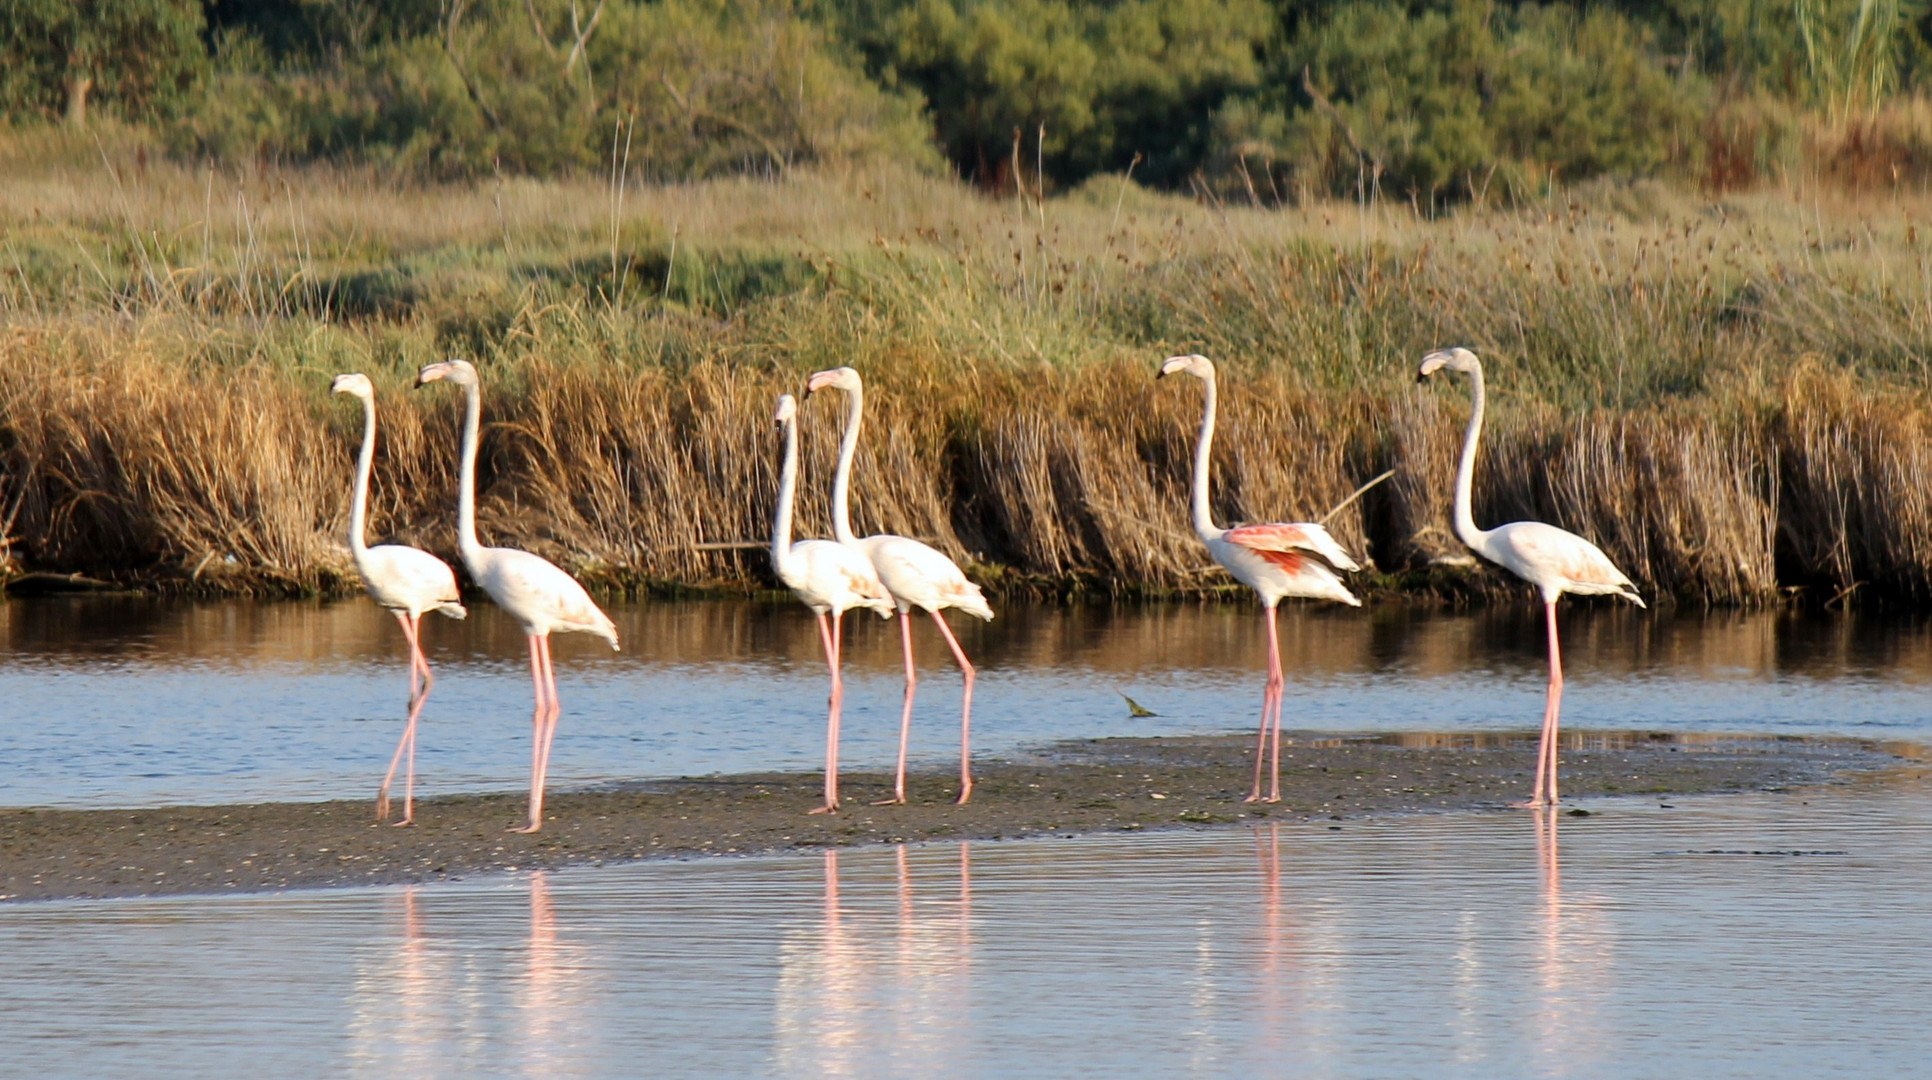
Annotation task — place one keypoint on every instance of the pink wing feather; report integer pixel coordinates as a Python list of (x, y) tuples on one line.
[(1287, 545)]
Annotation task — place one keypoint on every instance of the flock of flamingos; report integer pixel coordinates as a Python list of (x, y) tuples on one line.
[(895, 574)]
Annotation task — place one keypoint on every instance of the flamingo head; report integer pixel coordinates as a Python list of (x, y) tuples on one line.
[(838, 378), (787, 410), (353, 383), (460, 372), (1456, 359), (1193, 364)]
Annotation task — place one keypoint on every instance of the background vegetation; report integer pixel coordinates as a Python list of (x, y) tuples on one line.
[(1274, 101)]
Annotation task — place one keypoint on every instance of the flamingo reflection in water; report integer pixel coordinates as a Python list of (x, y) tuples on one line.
[(552, 996), (1575, 961), (404, 1014), (873, 988)]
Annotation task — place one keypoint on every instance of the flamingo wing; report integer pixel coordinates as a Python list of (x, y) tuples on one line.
[(1543, 553), (1287, 545)]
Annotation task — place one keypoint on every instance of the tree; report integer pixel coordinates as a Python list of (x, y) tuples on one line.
[(62, 55)]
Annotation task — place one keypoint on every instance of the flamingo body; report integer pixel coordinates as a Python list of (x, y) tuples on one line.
[(833, 579), (405, 581), (916, 574), (1554, 560), (1277, 560), (920, 576), (539, 595), (409, 581)]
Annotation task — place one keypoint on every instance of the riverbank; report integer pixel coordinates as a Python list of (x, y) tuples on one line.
[(1086, 786)]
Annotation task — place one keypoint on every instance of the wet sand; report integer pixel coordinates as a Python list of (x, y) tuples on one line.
[(1078, 787)]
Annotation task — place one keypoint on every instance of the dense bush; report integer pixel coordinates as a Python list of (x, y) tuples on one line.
[(1106, 81), (1442, 100), (689, 88)]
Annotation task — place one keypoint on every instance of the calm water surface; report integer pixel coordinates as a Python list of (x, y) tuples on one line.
[(131, 701), (1749, 936)]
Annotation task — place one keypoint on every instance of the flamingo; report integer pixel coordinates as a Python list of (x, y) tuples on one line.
[(831, 578), (915, 574), (1553, 560), (533, 590), (403, 580), (1274, 560)]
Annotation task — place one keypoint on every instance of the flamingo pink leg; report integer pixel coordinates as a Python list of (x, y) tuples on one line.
[(550, 716), (1270, 711), (537, 715), (1552, 705), (905, 717), (828, 635), (965, 710), (420, 680)]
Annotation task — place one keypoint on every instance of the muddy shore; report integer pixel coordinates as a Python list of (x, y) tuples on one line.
[(1085, 786)]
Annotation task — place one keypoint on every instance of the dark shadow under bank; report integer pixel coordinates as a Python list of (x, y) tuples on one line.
[(1086, 786)]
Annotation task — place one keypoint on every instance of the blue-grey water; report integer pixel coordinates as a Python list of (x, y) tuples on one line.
[(116, 701), (1751, 936)]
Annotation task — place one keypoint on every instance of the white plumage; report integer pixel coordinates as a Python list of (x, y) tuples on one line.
[(916, 574), (1276, 560), (540, 596), (407, 582), (830, 578), (1552, 559)]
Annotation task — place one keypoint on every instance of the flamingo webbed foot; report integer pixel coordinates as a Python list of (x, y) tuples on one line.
[(524, 828), (965, 794), (896, 800), (829, 808)]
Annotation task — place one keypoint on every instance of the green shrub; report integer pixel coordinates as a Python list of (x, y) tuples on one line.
[(1107, 81), (693, 88), (1459, 96)]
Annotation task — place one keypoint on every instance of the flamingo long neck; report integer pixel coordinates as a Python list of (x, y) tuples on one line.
[(1203, 454), (842, 481), (466, 488), (365, 462), (781, 526), (1466, 529)]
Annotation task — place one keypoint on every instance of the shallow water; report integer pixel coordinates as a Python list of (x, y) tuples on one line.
[(1762, 935), (114, 701)]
